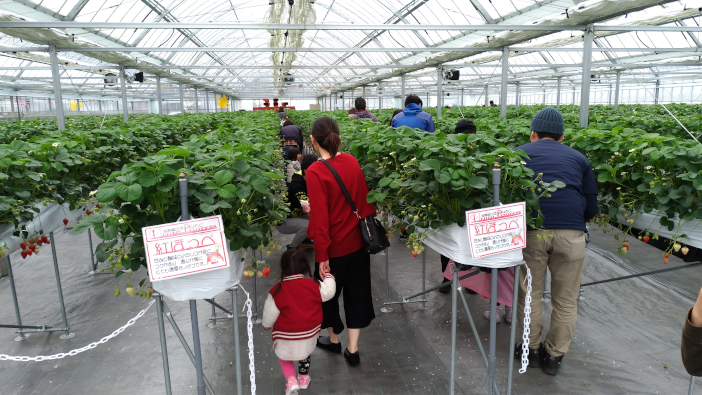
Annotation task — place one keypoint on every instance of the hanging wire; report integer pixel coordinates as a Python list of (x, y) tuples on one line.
[(74, 87)]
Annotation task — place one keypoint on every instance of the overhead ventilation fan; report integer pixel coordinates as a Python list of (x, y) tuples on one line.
[(451, 75), (110, 79), (139, 77)]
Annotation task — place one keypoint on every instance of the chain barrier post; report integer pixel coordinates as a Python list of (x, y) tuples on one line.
[(513, 330), (386, 308), (21, 336), (455, 288), (496, 176), (256, 320), (184, 216), (67, 334), (93, 265), (691, 390), (237, 346)]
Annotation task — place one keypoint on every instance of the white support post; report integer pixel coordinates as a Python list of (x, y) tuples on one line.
[(197, 103), (123, 84), (439, 93), (207, 100), (573, 95), (402, 94), (364, 96), (517, 96), (158, 95), (544, 98), (58, 97), (585, 85), (609, 99), (427, 103), (658, 90), (558, 94), (463, 93), (487, 99), (182, 100), (503, 86)]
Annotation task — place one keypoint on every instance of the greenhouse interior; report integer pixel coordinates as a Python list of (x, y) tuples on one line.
[(166, 158)]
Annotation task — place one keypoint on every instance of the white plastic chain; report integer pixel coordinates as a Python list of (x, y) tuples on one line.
[(527, 321), (71, 353), (249, 333)]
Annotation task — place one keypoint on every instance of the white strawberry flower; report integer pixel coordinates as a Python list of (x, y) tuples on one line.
[(121, 221), (522, 162), (56, 144), (632, 150), (92, 193)]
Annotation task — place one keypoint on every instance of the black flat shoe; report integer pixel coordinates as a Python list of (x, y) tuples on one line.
[(325, 343), (534, 355), (446, 289), (550, 364), (353, 359)]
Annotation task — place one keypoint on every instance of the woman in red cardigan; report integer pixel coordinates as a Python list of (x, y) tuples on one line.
[(338, 247)]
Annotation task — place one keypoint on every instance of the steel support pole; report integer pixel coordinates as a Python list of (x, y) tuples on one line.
[(237, 347), (158, 95), (487, 99), (658, 90), (691, 389), (573, 95), (123, 87), (364, 95), (197, 103), (254, 316), (424, 278), (513, 330), (558, 94), (517, 96), (544, 98), (162, 337), (207, 100), (427, 103), (492, 363), (386, 308), (439, 93), (454, 323), (503, 85), (585, 85), (21, 336), (462, 96), (58, 96), (12, 105), (93, 265), (402, 91), (196, 349), (182, 100), (67, 333)]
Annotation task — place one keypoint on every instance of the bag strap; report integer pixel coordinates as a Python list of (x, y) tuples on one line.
[(343, 188)]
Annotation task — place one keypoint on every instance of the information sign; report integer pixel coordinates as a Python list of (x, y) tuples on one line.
[(183, 248), (496, 229)]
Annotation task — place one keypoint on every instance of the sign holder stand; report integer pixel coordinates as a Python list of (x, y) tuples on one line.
[(490, 359), (195, 355), (24, 330)]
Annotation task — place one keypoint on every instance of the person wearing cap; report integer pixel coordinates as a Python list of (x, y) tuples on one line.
[(560, 244)]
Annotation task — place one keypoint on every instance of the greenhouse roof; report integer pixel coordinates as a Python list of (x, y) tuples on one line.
[(256, 48)]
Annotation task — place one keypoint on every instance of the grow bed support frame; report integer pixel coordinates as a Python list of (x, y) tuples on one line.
[(24, 330)]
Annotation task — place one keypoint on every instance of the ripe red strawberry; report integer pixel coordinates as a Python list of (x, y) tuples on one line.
[(31, 241), (665, 261), (88, 212), (667, 255), (646, 239), (625, 245), (29, 252), (39, 242), (45, 239), (24, 254), (97, 207), (32, 247), (65, 221), (266, 271), (414, 254), (24, 246)]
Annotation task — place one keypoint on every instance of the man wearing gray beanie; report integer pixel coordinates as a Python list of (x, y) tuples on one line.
[(560, 244)]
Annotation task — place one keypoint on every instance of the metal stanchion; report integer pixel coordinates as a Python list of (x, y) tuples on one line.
[(691, 390), (496, 178), (162, 336), (386, 306), (213, 320), (21, 336), (254, 316), (454, 322), (67, 331), (515, 300), (424, 278), (93, 264), (237, 349)]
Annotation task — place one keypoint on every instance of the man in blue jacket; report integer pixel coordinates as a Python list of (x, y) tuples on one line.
[(413, 116), (560, 245)]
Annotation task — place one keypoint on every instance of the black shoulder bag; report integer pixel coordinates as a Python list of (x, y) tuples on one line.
[(373, 233)]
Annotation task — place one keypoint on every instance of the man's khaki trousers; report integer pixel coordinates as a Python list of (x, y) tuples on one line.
[(563, 255)]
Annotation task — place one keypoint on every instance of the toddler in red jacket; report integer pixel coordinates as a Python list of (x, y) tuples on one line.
[(293, 309)]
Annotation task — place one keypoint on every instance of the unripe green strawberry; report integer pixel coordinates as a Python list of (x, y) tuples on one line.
[(130, 291)]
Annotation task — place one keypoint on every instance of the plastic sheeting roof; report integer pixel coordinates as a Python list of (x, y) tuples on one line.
[(525, 67)]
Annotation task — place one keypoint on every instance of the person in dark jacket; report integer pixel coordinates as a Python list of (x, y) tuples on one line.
[(361, 112), (413, 116), (560, 244), (298, 221), (691, 346), (292, 137)]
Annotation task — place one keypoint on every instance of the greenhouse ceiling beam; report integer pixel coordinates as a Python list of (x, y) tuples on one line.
[(330, 26), (432, 49), (692, 36), (77, 8)]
